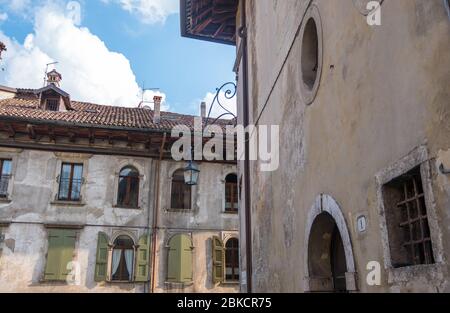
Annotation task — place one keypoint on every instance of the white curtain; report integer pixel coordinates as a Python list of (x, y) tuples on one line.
[(117, 254), (129, 261)]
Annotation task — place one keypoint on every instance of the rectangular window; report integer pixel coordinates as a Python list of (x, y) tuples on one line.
[(407, 221), (5, 175), (70, 182), (52, 104), (61, 245), (231, 204), (181, 193)]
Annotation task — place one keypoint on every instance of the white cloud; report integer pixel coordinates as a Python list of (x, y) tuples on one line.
[(229, 104), (3, 17), (91, 72), (149, 11)]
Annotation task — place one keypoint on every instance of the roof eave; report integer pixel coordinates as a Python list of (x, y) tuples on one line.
[(186, 34)]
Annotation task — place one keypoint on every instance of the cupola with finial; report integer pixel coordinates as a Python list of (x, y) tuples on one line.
[(54, 78)]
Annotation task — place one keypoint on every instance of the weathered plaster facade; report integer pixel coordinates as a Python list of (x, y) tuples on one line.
[(37, 141), (381, 95)]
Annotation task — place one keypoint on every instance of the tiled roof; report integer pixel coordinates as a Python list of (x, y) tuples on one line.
[(24, 107)]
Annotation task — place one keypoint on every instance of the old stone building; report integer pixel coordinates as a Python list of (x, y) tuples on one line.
[(91, 200), (360, 90)]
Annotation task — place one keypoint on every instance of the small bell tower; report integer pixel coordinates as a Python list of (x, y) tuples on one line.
[(54, 78)]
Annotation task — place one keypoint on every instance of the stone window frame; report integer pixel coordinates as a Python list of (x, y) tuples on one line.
[(142, 181), (225, 236), (309, 95), (114, 234), (13, 155), (417, 157), (62, 158), (194, 207)]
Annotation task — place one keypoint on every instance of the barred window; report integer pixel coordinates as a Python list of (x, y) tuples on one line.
[(407, 221), (52, 104)]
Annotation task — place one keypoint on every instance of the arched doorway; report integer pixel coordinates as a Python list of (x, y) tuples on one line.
[(329, 263)]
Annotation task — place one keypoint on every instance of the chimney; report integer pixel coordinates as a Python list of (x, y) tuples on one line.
[(203, 109), (157, 112), (54, 78)]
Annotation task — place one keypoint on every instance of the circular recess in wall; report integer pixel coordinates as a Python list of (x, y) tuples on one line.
[(311, 54), (361, 5)]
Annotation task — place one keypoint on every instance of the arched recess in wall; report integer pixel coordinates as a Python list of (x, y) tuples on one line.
[(326, 234), (311, 54), (361, 5)]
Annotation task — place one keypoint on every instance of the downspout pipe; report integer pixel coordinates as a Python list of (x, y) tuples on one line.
[(155, 213), (246, 121)]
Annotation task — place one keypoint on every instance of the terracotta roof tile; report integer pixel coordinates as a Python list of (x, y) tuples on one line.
[(24, 107)]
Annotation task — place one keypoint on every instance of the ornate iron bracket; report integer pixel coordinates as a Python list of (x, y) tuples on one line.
[(443, 170), (229, 90)]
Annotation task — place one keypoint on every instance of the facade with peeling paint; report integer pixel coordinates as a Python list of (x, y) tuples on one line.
[(91, 201), (361, 200)]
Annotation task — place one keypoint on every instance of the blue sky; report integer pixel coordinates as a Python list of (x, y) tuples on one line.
[(185, 70)]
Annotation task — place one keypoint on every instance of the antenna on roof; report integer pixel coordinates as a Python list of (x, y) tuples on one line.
[(46, 71), (142, 104)]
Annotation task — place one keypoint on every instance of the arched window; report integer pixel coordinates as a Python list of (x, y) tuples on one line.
[(231, 193), (232, 260), (128, 194), (122, 259), (179, 261), (181, 193)]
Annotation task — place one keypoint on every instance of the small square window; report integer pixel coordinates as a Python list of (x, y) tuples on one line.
[(52, 105), (407, 221)]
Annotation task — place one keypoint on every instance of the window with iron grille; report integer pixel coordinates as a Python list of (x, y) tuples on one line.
[(70, 182), (5, 175), (52, 104), (407, 221)]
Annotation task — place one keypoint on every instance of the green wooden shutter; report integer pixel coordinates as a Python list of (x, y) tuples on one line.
[(101, 261), (143, 257), (69, 239), (61, 244), (55, 242), (218, 258), (173, 262), (180, 260), (186, 260)]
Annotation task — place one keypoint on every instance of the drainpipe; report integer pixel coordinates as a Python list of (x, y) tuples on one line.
[(155, 212), (248, 211)]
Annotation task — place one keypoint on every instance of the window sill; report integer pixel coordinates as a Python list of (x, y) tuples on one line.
[(231, 213), (122, 207), (431, 272), (120, 282), (183, 211), (5, 200), (68, 203), (230, 283), (173, 285)]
